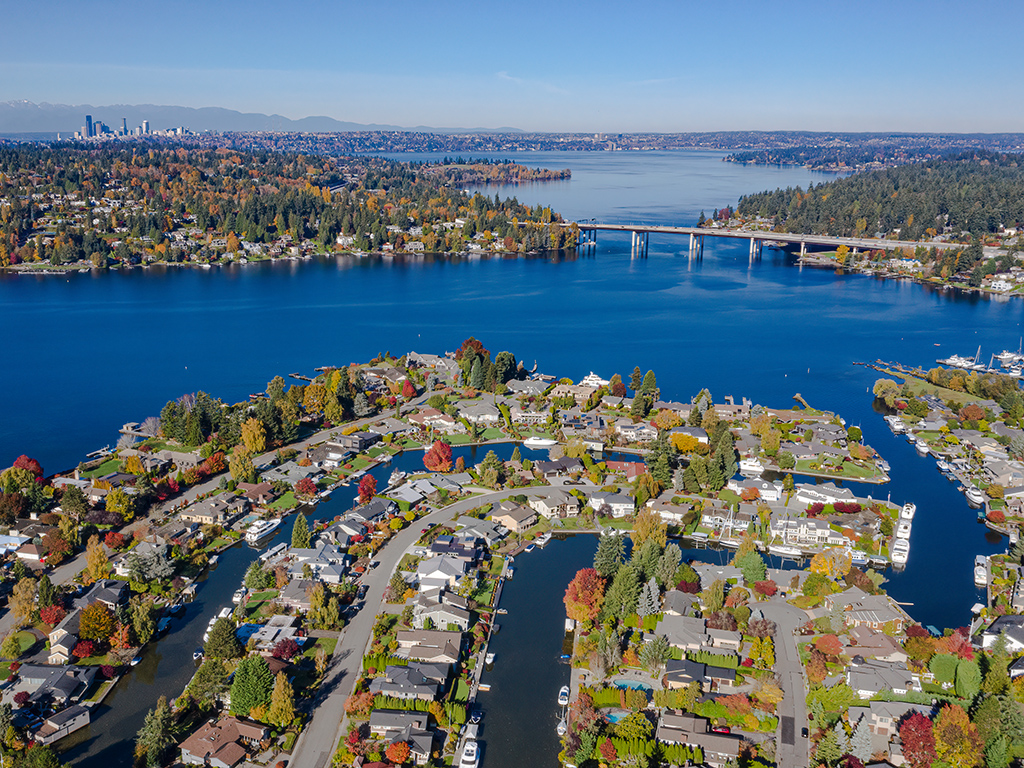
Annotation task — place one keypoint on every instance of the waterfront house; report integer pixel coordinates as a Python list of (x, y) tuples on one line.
[(291, 472), (608, 503), (417, 680), (52, 686), (529, 417), (557, 503), (437, 646), (766, 491), (483, 414), (825, 493), (392, 427), (357, 441), (561, 467), (1011, 628), (224, 743), (181, 461), (673, 514), (326, 562), (440, 609), (514, 517), (630, 470), (221, 509), (62, 723), (441, 571), (462, 548), (385, 721), (279, 628), (374, 510), (879, 612), (257, 493), (635, 433)]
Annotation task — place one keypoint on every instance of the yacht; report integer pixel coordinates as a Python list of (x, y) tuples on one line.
[(751, 467), (489, 659), (239, 595), (907, 513), (539, 442), (563, 696), (981, 570), (974, 496), (903, 531), (922, 446), (543, 540), (784, 550), (900, 551), (896, 424), (261, 529), (943, 466), (396, 477), (470, 755)]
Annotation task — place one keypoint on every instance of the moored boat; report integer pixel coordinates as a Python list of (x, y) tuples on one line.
[(539, 442), (974, 496), (261, 529), (907, 513), (981, 570), (563, 696)]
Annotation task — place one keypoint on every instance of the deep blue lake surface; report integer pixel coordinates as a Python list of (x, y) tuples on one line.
[(83, 354)]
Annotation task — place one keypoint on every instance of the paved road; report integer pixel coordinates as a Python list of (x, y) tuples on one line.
[(791, 748), (321, 736)]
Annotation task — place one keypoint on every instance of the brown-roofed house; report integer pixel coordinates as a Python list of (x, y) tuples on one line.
[(222, 744)]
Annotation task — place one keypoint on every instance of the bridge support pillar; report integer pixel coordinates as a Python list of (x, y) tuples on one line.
[(639, 249), (803, 249)]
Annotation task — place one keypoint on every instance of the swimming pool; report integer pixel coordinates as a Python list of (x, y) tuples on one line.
[(633, 684)]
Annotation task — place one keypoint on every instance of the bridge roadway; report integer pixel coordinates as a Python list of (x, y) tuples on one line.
[(642, 231)]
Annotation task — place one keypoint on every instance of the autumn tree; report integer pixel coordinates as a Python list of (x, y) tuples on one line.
[(956, 738), (22, 601), (254, 436), (584, 596), (96, 622), (649, 526), (367, 488), (439, 457), (97, 564), (398, 752), (282, 702)]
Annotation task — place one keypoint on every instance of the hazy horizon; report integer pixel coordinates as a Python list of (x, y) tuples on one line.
[(665, 68)]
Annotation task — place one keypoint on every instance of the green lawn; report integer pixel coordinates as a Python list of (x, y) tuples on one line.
[(459, 439), (112, 464), (493, 433), (462, 692), (287, 501), (26, 640), (257, 600)]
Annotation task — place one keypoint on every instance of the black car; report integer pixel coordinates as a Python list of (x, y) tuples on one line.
[(804, 732), (362, 592)]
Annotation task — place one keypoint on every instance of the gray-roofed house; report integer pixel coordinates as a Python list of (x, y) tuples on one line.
[(429, 645), (683, 728), (59, 725), (373, 510), (868, 677), (557, 503), (514, 517), (417, 680)]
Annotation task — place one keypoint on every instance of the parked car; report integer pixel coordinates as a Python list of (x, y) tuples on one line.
[(804, 732), (362, 591), (721, 729)]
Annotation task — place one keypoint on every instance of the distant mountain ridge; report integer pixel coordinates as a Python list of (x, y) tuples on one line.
[(29, 117)]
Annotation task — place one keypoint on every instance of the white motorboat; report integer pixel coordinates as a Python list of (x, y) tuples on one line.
[(903, 531), (261, 529), (470, 755), (561, 729), (543, 540), (900, 553), (974, 496), (489, 659), (784, 550), (922, 446), (213, 561), (539, 442), (858, 557), (197, 654), (943, 466), (981, 570), (239, 595), (563, 696), (907, 513), (530, 547)]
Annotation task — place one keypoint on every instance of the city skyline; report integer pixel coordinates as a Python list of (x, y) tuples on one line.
[(663, 68)]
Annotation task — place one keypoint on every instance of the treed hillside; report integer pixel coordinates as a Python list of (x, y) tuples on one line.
[(975, 192)]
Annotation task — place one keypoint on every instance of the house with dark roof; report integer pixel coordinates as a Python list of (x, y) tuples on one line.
[(59, 725), (437, 646), (683, 728), (52, 686), (417, 680)]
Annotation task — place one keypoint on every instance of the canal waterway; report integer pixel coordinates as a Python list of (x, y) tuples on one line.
[(85, 353)]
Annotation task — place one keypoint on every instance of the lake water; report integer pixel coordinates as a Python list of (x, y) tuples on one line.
[(86, 353)]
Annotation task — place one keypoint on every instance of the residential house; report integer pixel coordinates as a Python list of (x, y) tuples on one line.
[(392, 427), (329, 455), (326, 562), (824, 493), (181, 461), (417, 680), (557, 503), (357, 441), (675, 727), (684, 632), (291, 472), (440, 571), (673, 514), (696, 433), (878, 612), (221, 509), (529, 388), (438, 646), (374, 510), (444, 610), (766, 491), (608, 503), (224, 743), (884, 717), (483, 414), (296, 595), (485, 530), (1011, 628), (872, 644), (280, 627), (677, 603), (51, 686), (431, 418), (635, 433), (514, 517), (631, 470), (384, 721), (530, 417), (257, 493), (561, 467), (869, 677), (578, 392)]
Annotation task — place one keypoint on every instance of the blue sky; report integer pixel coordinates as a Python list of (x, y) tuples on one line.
[(599, 66)]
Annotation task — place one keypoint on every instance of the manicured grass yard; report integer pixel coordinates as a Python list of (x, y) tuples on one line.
[(287, 501), (321, 642), (112, 464)]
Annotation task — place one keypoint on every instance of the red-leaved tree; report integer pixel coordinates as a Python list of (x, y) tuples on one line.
[(114, 540), (286, 649), (408, 390), (439, 457), (585, 595), (766, 588), (830, 645), (83, 649), (367, 488), (52, 614), (918, 741), (398, 752), (305, 487), (33, 466)]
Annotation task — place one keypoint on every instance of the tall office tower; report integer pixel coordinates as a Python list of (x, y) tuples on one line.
[(145, 126), (124, 126), (88, 126)]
